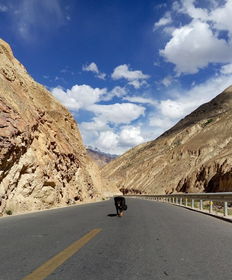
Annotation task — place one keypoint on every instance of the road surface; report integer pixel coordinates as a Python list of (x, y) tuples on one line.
[(153, 240)]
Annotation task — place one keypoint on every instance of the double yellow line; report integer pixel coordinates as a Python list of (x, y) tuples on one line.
[(47, 268)]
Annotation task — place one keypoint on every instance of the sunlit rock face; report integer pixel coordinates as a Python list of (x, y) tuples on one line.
[(193, 156), (43, 162)]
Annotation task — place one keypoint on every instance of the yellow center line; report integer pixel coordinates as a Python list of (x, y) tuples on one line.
[(47, 268)]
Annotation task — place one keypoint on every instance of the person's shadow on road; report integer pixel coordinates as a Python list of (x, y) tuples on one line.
[(112, 215)]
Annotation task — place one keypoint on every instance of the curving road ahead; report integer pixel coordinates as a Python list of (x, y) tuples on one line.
[(152, 241)]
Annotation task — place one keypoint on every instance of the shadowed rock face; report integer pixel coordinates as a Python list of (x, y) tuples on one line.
[(99, 157), (43, 162), (193, 156)]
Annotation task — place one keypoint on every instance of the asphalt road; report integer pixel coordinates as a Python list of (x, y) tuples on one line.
[(153, 240)]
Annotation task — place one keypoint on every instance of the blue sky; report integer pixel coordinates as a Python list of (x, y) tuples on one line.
[(127, 70)]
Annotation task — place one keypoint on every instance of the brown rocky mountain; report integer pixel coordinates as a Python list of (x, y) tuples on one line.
[(99, 157), (193, 156), (43, 162)]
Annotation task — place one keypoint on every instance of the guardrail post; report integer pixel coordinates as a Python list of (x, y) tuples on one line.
[(211, 207), (186, 202), (176, 200), (201, 204), (192, 203), (173, 200), (181, 203), (225, 208)]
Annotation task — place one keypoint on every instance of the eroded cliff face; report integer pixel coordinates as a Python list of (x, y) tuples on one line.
[(193, 156), (43, 162)]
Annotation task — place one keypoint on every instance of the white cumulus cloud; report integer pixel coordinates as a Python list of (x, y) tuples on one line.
[(130, 136), (161, 122), (172, 109), (118, 113), (167, 81), (166, 19), (79, 96), (197, 44), (227, 69), (106, 129), (108, 141), (115, 92), (92, 67), (188, 7), (187, 101), (221, 17), (141, 100), (116, 143), (194, 46), (135, 78)]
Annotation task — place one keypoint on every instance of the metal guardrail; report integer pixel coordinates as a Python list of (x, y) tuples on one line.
[(214, 203)]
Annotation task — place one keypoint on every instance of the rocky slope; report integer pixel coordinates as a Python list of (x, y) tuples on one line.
[(99, 157), (43, 162), (193, 156)]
